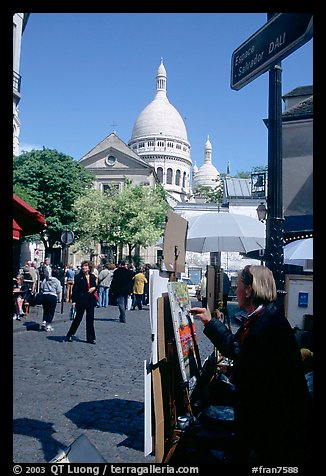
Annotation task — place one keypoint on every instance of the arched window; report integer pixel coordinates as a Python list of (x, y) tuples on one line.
[(177, 177), (159, 172), (184, 180), (169, 176)]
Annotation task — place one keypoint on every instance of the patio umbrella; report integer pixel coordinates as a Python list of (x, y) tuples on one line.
[(224, 231), (298, 251)]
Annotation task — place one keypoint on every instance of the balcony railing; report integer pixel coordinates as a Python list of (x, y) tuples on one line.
[(17, 82)]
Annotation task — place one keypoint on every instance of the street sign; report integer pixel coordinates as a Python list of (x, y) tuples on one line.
[(280, 36), (67, 237)]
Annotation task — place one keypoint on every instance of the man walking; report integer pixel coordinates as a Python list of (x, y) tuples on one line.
[(121, 287)]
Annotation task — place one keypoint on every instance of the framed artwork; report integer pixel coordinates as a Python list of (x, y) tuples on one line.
[(184, 332), (299, 298)]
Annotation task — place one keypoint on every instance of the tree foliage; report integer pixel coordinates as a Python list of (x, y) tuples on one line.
[(247, 174), (52, 181), (134, 216), (209, 194)]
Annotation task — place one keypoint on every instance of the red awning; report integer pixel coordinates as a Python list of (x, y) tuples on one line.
[(26, 218), (16, 229)]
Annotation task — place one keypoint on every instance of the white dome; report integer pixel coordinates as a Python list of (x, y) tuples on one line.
[(159, 118), (207, 175), (159, 137)]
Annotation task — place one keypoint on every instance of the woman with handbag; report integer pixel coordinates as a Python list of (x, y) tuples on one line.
[(84, 299)]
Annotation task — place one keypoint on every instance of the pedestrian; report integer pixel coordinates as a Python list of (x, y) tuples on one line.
[(70, 279), (29, 275), (112, 297), (35, 276), (146, 288), (59, 273), (121, 287), (104, 282), (50, 289), (272, 409), (138, 288), (226, 289), (45, 267), (21, 294), (203, 290), (84, 300)]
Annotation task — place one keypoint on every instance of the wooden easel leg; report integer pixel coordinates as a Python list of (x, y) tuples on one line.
[(174, 442)]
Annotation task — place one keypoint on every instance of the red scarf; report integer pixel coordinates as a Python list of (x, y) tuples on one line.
[(243, 333)]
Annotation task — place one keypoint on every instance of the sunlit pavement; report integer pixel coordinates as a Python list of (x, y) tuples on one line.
[(62, 390)]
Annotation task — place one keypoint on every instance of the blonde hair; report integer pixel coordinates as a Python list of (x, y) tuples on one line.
[(262, 282)]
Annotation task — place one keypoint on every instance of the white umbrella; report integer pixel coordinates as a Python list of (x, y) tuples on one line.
[(298, 251), (224, 231)]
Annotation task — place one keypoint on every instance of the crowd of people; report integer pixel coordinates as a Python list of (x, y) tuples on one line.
[(48, 285)]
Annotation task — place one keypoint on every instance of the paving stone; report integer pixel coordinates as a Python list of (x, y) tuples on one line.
[(62, 390)]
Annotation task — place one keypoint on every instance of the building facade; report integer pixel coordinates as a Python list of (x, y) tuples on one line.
[(297, 157), (19, 24)]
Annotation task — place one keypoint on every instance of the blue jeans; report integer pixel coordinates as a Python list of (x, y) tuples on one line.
[(122, 304), (138, 301), (103, 296)]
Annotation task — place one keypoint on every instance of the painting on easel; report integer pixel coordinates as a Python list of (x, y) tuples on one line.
[(184, 332)]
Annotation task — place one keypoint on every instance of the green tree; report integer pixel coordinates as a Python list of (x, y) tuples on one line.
[(52, 181), (90, 210), (209, 194), (134, 216), (246, 174), (24, 194), (140, 213)]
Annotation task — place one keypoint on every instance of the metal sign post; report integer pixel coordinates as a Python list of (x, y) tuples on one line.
[(67, 237)]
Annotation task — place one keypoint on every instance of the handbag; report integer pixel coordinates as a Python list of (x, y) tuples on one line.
[(35, 299), (95, 294)]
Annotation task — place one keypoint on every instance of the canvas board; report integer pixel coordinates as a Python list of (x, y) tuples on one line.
[(157, 286), (174, 243), (184, 332), (148, 425)]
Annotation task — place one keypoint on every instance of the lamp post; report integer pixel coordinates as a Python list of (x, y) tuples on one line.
[(262, 215), (261, 211), (275, 220)]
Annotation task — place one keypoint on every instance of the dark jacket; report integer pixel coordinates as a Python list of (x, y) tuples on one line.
[(121, 284), (80, 294), (24, 291), (273, 405)]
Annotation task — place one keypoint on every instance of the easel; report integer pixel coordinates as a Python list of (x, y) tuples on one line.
[(173, 376)]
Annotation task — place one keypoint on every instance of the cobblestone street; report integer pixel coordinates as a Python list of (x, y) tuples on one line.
[(62, 390)]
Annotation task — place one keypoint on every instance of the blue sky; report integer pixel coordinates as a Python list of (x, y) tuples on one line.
[(86, 74)]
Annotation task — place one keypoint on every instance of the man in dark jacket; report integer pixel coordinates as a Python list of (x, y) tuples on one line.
[(121, 287)]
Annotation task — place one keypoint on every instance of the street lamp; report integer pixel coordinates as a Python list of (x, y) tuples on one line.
[(261, 211)]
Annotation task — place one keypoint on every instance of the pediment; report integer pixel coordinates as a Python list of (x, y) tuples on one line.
[(121, 156)]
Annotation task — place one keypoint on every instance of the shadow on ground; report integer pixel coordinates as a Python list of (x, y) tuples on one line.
[(42, 431), (125, 417)]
